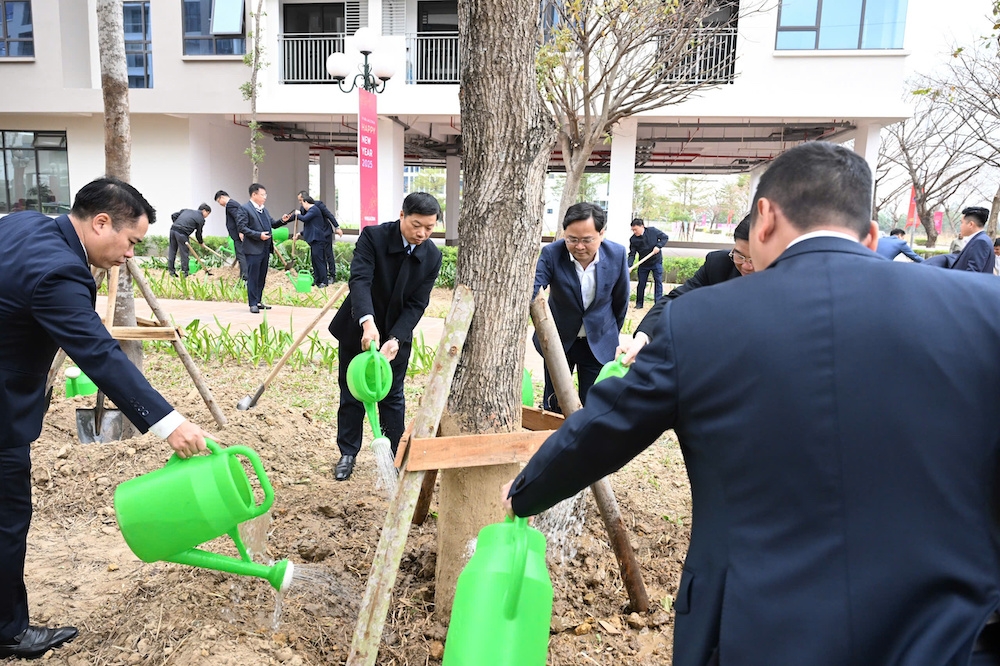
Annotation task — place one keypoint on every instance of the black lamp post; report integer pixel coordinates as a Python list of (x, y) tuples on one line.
[(373, 75)]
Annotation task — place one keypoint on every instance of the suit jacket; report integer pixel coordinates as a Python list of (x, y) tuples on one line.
[(827, 530), (718, 268), (605, 316), (188, 222), (640, 246), (255, 225), (236, 217), (388, 284), (977, 256), (891, 246), (315, 228), (47, 303), (327, 215)]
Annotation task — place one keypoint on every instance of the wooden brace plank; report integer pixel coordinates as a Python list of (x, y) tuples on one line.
[(474, 450), (533, 418), (143, 333)]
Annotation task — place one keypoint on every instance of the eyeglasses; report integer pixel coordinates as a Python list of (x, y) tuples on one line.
[(739, 258), (570, 240)]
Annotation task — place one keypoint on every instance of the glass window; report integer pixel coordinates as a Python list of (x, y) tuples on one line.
[(199, 37), (34, 172), (227, 18), (138, 44), (840, 24), (16, 30)]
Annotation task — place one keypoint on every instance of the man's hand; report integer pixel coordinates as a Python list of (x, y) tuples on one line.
[(656, 250), (369, 334), (284, 218), (638, 342), (187, 439), (296, 236), (390, 348), (241, 237), (339, 232), (264, 235), (504, 500)]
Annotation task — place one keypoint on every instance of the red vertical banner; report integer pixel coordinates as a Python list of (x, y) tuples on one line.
[(911, 215), (368, 156), (938, 219)]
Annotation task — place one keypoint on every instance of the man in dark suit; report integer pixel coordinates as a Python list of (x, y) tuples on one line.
[(234, 214), (588, 283), (825, 530), (720, 266), (48, 303), (977, 255), (331, 265), (644, 241), (185, 223), (895, 244), (257, 244), (393, 271), (315, 231)]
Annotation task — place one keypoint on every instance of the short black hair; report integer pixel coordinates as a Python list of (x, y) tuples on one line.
[(637, 222), (977, 213), (996, 243), (584, 211), (220, 193), (897, 232), (122, 202), (819, 183), (205, 207), (256, 186), (303, 193), (421, 203), (742, 230), (308, 199)]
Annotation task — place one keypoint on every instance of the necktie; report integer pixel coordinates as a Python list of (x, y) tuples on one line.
[(409, 250)]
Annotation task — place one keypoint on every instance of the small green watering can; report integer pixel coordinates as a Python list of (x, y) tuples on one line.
[(279, 234), (527, 389), (369, 378), (303, 282), (78, 383), (615, 368), (503, 601), (163, 515)]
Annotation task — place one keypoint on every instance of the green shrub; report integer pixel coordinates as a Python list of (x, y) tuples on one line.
[(449, 268), (679, 269), (152, 246)]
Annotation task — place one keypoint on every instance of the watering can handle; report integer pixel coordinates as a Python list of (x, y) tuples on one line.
[(513, 596), (258, 468), (621, 359)]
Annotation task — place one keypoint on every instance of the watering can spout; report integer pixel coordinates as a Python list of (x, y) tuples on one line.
[(279, 575)]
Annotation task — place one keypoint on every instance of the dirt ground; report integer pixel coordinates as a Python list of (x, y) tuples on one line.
[(81, 572)]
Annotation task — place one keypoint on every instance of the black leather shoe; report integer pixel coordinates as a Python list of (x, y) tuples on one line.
[(35, 641), (344, 468), (263, 307), (254, 309)]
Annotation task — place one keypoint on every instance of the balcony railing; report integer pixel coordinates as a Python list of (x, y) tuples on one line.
[(303, 56), (710, 58), (432, 57)]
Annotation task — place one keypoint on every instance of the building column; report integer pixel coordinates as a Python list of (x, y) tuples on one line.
[(328, 179), (867, 140), (453, 170), (621, 182), (390, 168), (755, 174)]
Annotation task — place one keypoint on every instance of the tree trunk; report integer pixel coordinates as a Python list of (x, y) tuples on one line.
[(927, 221), (118, 148), (991, 224), (256, 152), (575, 160), (507, 137)]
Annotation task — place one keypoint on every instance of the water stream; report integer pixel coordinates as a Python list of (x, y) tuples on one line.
[(562, 525), (388, 476)]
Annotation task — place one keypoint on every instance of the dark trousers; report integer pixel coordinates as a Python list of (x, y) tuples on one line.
[(241, 257), (331, 262), (391, 411), (256, 276), (587, 368), (178, 240), (657, 271), (15, 516), (317, 253)]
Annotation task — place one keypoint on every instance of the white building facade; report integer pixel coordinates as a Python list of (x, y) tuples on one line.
[(801, 70)]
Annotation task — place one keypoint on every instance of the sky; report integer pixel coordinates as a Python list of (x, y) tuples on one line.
[(935, 26)]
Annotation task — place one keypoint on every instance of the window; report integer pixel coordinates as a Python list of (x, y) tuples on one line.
[(840, 24), (34, 172), (214, 27), (16, 35), (138, 45)]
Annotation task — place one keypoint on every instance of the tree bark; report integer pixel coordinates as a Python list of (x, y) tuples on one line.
[(575, 159), (507, 138), (118, 149), (991, 224)]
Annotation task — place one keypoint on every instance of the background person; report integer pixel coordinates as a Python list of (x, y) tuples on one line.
[(830, 530), (588, 286), (393, 271), (977, 255), (331, 266), (235, 217), (257, 244), (48, 303), (895, 244), (315, 231), (647, 240), (185, 223)]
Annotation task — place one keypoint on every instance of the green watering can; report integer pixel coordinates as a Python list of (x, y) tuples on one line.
[(78, 383), (303, 282), (615, 368), (503, 601), (163, 515), (527, 389), (279, 235), (369, 378)]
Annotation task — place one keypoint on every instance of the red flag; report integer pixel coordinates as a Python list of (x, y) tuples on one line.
[(911, 216)]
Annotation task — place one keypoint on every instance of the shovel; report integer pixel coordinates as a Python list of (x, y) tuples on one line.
[(198, 257), (99, 425), (249, 401)]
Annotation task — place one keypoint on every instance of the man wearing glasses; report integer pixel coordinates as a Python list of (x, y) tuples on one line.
[(719, 267), (588, 283)]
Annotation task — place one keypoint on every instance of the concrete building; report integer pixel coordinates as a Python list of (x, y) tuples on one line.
[(800, 70)]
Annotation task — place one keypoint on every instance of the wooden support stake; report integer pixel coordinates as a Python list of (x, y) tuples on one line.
[(569, 401), (385, 566), (179, 347), (143, 333), (425, 497), (109, 318)]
